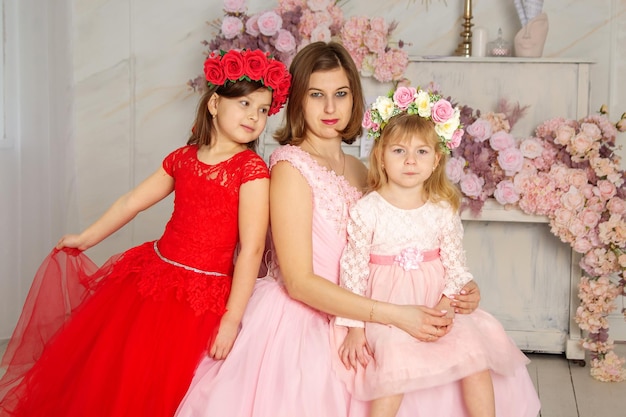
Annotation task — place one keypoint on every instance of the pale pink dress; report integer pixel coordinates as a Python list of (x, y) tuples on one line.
[(413, 257), (282, 362)]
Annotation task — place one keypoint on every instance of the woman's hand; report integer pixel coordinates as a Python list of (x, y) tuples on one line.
[(355, 348), (467, 301), (423, 323)]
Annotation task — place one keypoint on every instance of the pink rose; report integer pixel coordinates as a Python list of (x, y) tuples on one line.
[(285, 42), (442, 111), (505, 193), (403, 96), (252, 26), (591, 130), (581, 144), (501, 140), (616, 205), (454, 168), (605, 189), (480, 130), (564, 135), (320, 34), (531, 148), (234, 6), (455, 141), (368, 123), (511, 160), (318, 5), (573, 199), (576, 177), (590, 218), (231, 27), (471, 184), (269, 23)]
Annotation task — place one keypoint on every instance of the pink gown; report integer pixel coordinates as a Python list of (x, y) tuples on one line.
[(413, 257), (282, 363), (140, 324)]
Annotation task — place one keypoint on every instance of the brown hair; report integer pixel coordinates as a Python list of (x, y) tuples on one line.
[(402, 128), (203, 129), (320, 56)]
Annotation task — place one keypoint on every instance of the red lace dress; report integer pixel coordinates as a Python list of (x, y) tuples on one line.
[(139, 324)]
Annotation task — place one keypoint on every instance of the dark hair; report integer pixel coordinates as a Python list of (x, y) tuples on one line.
[(320, 56), (203, 129)]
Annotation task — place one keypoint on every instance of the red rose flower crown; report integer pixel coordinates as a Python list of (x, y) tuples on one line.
[(234, 65)]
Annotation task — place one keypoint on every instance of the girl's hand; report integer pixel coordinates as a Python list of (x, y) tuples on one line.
[(72, 241), (467, 301), (225, 338), (423, 323), (355, 349)]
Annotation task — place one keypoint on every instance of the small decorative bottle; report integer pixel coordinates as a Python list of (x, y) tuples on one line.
[(499, 47)]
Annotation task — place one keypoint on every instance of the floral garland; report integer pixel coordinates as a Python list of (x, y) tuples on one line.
[(428, 105), (569, 172), (235, 65), (283, 31)]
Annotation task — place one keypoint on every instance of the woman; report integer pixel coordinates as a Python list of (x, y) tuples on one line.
[(281, 363)]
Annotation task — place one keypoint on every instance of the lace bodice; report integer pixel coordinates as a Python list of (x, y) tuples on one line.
[(377, 227), (332, 197), (203, 230)]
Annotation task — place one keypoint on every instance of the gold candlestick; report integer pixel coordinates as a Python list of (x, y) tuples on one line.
[(465, 47)]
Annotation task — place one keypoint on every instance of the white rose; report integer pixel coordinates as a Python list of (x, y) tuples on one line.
[(422, 100), (384, 106)]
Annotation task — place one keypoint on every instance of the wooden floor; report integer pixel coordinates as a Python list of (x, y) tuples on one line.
[(566, 389)]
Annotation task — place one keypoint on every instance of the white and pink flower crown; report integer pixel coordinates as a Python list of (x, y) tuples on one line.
[(431, 106), (234, 65)]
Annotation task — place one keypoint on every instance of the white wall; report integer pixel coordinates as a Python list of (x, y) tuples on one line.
[(102, 99), (35, 154)]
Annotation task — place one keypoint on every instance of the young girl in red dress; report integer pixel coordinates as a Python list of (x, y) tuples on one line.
[(124, 339)]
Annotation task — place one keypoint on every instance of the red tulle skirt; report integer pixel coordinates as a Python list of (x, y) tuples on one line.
[(89, 343)]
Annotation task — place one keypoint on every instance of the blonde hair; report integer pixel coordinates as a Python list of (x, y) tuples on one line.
[(402, 128)]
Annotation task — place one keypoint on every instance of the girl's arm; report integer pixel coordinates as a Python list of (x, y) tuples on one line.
[(152, 190), (291, 217), (253, 222)]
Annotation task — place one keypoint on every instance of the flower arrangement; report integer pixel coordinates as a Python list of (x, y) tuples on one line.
[(237, 65), (488, 156), (294, 24), (428, 105), (369, 44), (569, 172)]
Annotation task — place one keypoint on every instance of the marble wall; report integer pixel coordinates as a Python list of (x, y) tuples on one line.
[(132, 59)]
